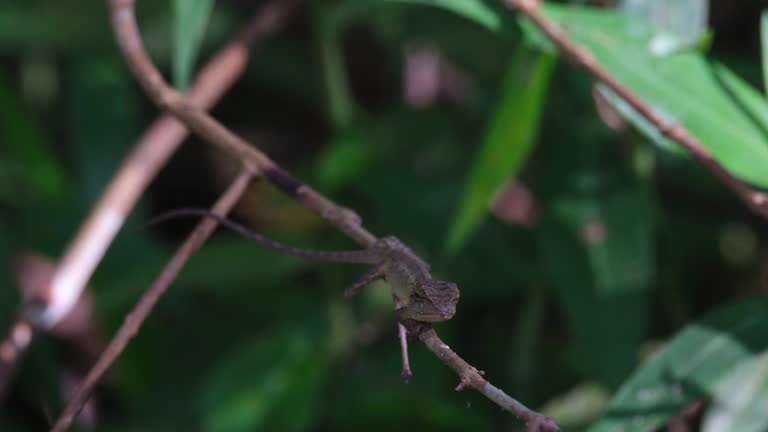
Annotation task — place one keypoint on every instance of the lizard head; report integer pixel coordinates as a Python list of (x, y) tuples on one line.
[(442, 297)]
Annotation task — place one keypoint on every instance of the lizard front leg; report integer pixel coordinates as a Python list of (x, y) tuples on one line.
[(422, 312), (375, 272)]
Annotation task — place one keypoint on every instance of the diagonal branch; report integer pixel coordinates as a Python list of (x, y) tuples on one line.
[(757, 201), (139, 168), (197, 120), (472, 378), (142, 309)]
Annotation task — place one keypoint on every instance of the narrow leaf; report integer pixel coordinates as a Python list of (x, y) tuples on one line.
[(508, 139), (190, 19), (695, 364)]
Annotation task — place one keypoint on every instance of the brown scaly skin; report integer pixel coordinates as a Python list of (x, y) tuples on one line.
[(421, 297)]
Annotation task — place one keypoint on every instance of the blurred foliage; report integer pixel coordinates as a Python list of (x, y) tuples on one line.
[(629, 287), (508, 140), (190, 20)]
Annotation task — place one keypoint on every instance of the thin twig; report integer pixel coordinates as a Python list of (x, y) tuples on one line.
[(149, 299), (138, 169), (197, 120), (757, 201), (472, 378)]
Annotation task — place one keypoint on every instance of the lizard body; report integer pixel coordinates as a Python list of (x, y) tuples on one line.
[(420, 296)]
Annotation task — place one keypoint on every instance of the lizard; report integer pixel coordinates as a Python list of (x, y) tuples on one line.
[(419, 296)]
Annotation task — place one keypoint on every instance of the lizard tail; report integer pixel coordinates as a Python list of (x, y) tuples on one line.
[(361, 256)]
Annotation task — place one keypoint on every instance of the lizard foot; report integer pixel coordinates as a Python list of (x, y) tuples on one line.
[(402, 334)]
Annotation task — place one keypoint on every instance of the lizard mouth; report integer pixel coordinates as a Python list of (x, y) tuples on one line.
[(437, 317)]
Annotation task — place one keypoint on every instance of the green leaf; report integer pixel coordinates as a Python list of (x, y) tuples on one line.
[(597, 248), (269, 384), (616, 233), (722, 111), (342, 161), (578, 407), (708, 358), (190, 19), (486, 13), (508, 139), (740, 399), (717, 107), (678, 25)]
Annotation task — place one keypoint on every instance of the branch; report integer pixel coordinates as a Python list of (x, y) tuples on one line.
[(472, 378), (197, 120), (142, 309), (138, 169), (757, 201)]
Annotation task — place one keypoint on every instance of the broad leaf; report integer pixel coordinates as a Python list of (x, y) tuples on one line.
[(727, 115), (740, 399), (190, 19), (270, 384), (706, 359), (616, 232), (723, 112), (598, 251), (683, 87), (578, 407), (508, 139)]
